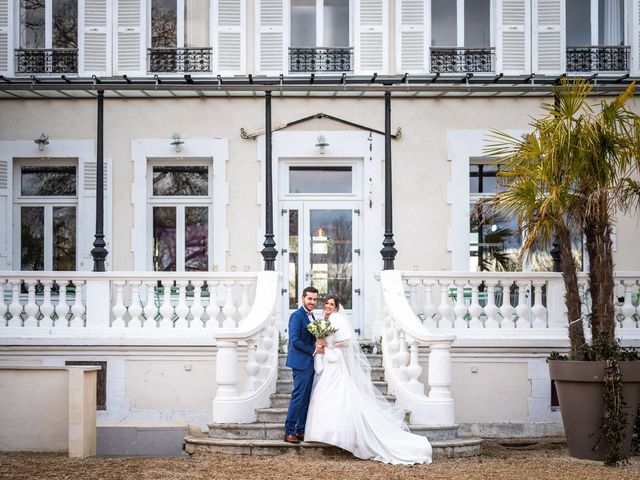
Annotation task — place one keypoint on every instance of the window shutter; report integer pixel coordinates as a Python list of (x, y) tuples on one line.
[(411, 36), (6, 208), (229, 42), (371, 38), (5, 56), (513, 44), (87, 211), (95, 39), (130, 44), (635, 39), (270, 44), (548, 36)]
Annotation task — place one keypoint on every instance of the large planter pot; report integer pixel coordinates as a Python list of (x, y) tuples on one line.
[(579, 387)]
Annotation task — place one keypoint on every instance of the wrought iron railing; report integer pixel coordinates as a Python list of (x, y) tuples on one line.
[(462, 60), (165, 60), (309, 60), (598, 59), (47, 60)]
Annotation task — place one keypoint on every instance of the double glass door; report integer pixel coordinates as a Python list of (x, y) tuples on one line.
[(322, 249)]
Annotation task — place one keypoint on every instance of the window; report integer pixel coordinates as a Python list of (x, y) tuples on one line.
[(595, 22), (48, 37), (320, 23), (179, 23), (320, 180), (46, 208), (476, 32), (180, 216)]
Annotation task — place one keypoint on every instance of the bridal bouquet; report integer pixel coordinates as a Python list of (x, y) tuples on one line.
[(321, 328)]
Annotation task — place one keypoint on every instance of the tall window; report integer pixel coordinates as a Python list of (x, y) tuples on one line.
[(49, 24), (179, 23), (180, 214), (320, 23), (595, 22), (476, 32), (46, 204)]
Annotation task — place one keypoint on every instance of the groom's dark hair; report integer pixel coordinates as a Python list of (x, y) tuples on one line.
[(309, 290)]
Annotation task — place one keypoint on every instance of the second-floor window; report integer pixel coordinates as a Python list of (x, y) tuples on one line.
[(48, 39), (180, 38), (466, 49)]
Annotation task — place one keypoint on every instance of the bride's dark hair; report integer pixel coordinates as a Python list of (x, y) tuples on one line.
[(335, 299)]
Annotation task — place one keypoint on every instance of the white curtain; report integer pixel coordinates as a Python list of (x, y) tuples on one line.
[(196, 23), (611, 24)]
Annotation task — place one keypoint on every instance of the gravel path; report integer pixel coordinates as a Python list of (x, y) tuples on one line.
[(498, 462)]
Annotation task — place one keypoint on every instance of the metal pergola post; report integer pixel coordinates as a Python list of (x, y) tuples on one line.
[(388, 244), (99, 252), (269, 251)]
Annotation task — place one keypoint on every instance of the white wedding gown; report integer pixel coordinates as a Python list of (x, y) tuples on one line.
[(346, 409)]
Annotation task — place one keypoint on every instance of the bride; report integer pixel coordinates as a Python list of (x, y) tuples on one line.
[(348, 411)]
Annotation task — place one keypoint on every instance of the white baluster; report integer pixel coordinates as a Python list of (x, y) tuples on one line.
[(440, 378), (227, 369), (46, 309), (445, 308), (229, 308), (506, 309), (196, 308), (429, 310), (539, 310), (3, 305), (402, 358), (475, 310), (523, 308), (119, 310), (135, 307), (244, 307), (150, 309), (252, 367), (627, 308), (460, 309), (77, 309), (393, 345), (413, 294), (213, 309), (166, 309), (62, 308), (414, 369), (15, 307), (182, 309), (31, 308), (491, 309)]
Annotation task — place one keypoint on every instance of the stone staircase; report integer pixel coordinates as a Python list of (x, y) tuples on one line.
[(265, 436)]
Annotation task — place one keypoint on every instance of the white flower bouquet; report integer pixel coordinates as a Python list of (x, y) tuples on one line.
[(321, 328)]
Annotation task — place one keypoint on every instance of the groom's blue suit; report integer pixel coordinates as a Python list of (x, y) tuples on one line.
[(300, 359)]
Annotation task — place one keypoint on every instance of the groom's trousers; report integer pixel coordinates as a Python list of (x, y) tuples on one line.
[(299, 404)]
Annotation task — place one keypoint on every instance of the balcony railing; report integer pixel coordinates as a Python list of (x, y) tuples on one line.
[(166, 60), (598, 59), (47, 60), (462, 60), (312, 60)]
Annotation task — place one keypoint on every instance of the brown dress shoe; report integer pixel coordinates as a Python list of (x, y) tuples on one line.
[(300, 436), (291, 439)]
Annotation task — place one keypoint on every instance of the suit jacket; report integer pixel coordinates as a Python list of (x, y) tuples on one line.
[(301, 342)]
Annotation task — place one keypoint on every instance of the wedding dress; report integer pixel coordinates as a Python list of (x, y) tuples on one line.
[(348, 411)]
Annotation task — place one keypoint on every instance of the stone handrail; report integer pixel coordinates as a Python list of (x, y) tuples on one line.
[(401, 338)]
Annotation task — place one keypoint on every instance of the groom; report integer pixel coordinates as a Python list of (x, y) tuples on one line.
[(302, 347)]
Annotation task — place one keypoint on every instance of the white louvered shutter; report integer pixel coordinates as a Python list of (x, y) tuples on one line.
[(87, 212), (548, 36), (635, 38), (371, 36), (5, 214), (95, 40), (229, 42), (513, 46), (412, 34), (270, 44), (5, 42), (130, 39)]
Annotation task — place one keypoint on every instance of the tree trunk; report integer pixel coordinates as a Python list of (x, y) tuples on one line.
[(572, 295)]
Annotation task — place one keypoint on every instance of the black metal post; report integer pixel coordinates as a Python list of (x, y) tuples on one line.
[(99, 252), (388, 250), (269, 251), (556, 256)]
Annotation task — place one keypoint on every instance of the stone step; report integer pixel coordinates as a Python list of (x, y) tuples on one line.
[(279, 400), (279, 415), (375, 360), (377, 373), (285, 386), (460, 447)]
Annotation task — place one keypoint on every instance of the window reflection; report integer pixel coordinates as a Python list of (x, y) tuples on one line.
[(32, 238), (180, 181), (65, 24), (32, 24), (293, 259), (196, 238), (320, 180), (64, 238), (48, 181), (164, 239), (164, 23)]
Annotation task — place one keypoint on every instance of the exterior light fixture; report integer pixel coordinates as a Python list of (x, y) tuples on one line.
[(322, 144), (41, 141), (177, 142)]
